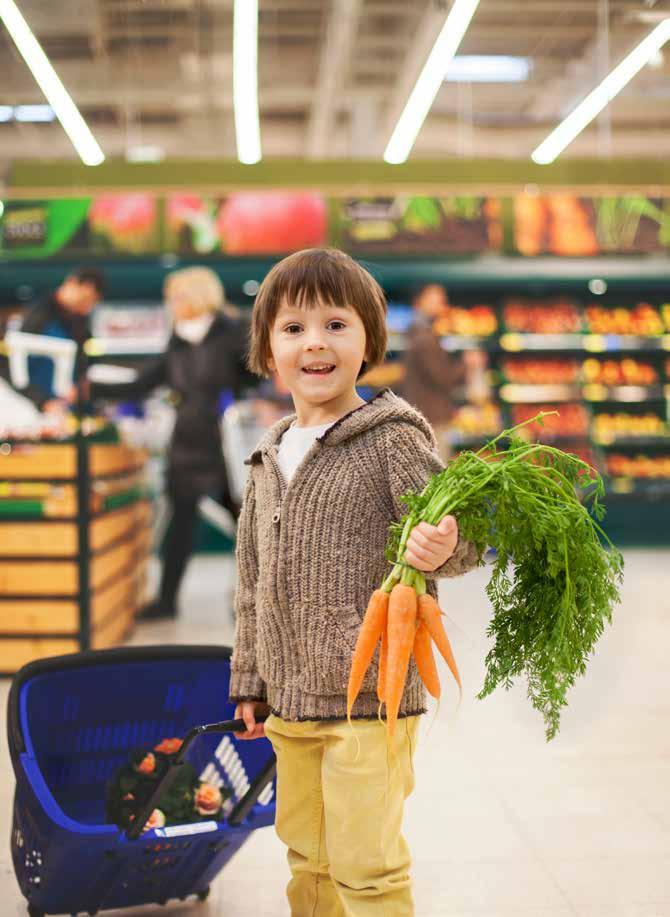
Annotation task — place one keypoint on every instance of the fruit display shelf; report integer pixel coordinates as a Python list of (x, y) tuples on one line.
[(605, 370)]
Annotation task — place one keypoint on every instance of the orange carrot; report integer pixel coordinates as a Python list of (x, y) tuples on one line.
[(383, 655), (425, 661), (374, 624), (429, 612), (401, 628)]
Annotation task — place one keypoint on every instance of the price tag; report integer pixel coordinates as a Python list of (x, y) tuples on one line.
[(623, 485), (604, 439), (203, 827), (665, 342), (595, 392), (511, 342), (595, 343)]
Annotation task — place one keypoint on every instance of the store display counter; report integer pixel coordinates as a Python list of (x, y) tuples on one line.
[(75, 538)]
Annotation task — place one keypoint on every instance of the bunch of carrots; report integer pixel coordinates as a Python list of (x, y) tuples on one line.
[(552, 587), (406, 619)]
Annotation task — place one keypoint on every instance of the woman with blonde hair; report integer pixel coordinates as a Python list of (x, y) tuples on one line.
[(205, 356)]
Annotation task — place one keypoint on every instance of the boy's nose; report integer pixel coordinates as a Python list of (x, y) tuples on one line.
[(315, 344)]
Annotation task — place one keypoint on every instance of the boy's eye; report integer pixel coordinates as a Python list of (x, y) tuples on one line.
[(336, 325), (293, 329)]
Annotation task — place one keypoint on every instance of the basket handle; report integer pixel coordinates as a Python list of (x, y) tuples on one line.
[(244, 805)]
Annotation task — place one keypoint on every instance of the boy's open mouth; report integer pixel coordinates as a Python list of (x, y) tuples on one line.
[(319, 369)]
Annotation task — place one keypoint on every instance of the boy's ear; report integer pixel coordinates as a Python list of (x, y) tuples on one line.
[(272, 366)]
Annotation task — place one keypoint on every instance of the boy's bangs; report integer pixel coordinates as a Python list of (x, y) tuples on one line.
[(312, 284)]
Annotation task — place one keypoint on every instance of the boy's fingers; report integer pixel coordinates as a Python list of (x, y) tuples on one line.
[(447, 526)]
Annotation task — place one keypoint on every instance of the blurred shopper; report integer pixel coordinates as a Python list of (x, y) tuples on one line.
[(64, 314), (204, 360), (433, 377)]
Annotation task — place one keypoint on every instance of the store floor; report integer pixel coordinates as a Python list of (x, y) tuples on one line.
[(501, 824)]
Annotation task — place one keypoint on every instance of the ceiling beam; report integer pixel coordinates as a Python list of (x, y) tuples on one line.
[(333, 67), (555, 98)]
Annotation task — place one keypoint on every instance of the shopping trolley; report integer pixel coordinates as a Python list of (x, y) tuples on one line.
[(240, 434), (72, 721)]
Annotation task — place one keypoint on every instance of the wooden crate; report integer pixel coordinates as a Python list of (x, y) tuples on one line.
[(106, 459), (39, 616), (39, 560), (114, 630), (116, 594), (16, 653), (49, 578), (38, 539), (38, 461), (117, 524)]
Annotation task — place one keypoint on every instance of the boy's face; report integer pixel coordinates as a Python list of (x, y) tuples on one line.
[(317, 352)]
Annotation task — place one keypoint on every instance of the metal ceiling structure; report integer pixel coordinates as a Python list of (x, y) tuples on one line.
[(333, 77)]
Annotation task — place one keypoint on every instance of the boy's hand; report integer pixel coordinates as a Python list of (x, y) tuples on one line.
[(430, 546), (248, 711)]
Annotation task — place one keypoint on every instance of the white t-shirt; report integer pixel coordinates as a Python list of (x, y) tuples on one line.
[(294, 446)]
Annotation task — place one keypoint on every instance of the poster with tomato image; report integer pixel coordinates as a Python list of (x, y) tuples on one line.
[(569, 226), (409, 225), (124, 223), (246, 223)]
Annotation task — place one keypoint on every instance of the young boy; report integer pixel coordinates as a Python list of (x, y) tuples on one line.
[(324, 485)]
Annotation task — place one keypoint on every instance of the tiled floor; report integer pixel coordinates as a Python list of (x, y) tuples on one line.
[(501, 823)]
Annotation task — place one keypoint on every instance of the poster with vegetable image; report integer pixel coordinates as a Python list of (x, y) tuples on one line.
[(245, 223), (106, 224), (124, 224), (420, 225), (570, 226), (37, 229)]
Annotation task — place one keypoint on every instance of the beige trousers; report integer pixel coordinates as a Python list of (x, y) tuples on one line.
[(341, 816)]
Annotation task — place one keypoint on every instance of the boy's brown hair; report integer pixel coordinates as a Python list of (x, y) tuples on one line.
[(318, 275)]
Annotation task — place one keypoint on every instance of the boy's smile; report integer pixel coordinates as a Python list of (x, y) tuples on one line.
[(318, 352)]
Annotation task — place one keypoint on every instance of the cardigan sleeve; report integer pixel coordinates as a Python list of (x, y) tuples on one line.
[(245, 682), (412, 460)]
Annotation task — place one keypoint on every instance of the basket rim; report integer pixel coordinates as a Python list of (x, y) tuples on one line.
[(87, 659)]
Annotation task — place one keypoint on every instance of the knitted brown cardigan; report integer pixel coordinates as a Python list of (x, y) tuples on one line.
[(310, 554)]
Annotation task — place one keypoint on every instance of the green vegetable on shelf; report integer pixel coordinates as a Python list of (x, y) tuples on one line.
[(553, 583)]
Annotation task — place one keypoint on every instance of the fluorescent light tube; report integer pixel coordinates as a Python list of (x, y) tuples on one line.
[(487, 68), (6, 113), (600, 97), (429, 81), (57, 95), (245, 81), (34, 114), (145, 153)]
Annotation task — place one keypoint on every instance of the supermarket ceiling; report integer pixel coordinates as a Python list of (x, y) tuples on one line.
[(154, 77)]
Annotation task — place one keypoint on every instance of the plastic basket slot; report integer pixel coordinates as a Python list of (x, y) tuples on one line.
[(211, 775), (71, 707), (27, 853), (232, 767), (174, 699), (159, 863), (265, 797)]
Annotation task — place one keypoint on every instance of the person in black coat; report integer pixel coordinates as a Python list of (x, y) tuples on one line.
[(64, 314), (205, 356)]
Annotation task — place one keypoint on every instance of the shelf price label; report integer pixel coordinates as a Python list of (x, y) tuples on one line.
[(623, 485), (665, 342), (604, 439), (595, 343), (595, 392), (512, 342)]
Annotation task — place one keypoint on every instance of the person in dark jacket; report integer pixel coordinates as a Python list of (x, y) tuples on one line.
[(432, 375), (64, 314), (205, 357)]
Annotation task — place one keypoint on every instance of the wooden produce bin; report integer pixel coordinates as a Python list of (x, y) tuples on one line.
[(75, 540)]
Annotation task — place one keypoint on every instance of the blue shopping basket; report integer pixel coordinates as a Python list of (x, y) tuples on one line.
[(72, 721)]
